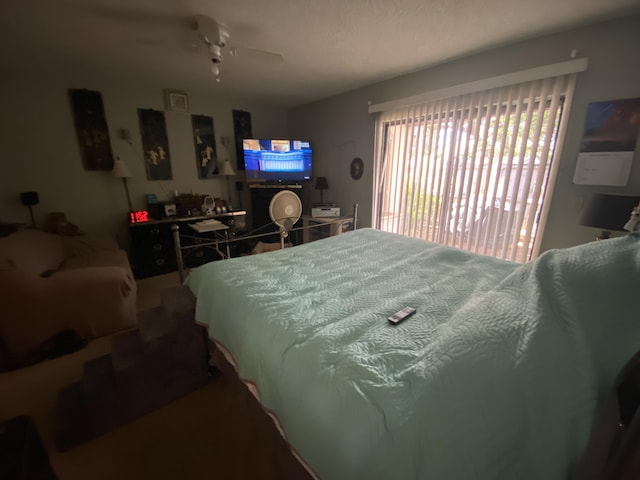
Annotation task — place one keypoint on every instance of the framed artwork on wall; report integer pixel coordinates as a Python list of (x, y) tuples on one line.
[(176, 101), (204, 140), (357, 168), (91, 129), (608, 143), (155, 144), (241, 129)]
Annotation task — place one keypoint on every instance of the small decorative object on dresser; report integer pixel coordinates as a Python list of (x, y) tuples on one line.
[(170, 209), (208, 205)]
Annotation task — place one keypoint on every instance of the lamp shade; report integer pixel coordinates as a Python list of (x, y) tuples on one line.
[(225, 159), (29, 198), (321, 183), (120, 169), (608, 212), (227, 169)]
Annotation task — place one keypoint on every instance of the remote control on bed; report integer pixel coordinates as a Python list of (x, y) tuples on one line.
[(396, 318)]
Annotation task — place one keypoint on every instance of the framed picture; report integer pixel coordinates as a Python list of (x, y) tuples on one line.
[(176, 101), (91, 129), (241, 129), (611, 126), (204, 141), (357, 167), (170, 209), (155, 144)]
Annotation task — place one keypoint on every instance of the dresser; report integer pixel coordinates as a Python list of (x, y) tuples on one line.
[(152, 248)]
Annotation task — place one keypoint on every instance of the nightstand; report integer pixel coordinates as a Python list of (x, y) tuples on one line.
[(323, 227)]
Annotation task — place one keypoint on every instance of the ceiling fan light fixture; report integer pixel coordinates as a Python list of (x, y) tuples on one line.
[(216, 53), (215, 70)]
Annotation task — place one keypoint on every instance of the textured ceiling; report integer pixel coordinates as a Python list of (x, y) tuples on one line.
[(329, 46)]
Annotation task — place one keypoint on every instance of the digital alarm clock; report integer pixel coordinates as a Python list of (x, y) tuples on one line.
[(139, 216)]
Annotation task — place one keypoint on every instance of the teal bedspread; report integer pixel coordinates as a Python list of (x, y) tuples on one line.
[(496, 376)]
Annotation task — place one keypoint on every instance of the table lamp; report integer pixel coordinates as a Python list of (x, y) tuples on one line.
[(633, 225), (321, 184), (121, 170), (29, 199), (227, 171), (608, 212)]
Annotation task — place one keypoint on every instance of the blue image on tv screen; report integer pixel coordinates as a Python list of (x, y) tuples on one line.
[(277, 161)]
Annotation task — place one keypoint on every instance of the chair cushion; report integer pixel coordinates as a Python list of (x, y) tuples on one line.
[(106, 258)]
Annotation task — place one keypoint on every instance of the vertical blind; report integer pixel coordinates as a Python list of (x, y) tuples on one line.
[(470, 171)]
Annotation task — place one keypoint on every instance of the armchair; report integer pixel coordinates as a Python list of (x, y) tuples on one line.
[(50, 283)]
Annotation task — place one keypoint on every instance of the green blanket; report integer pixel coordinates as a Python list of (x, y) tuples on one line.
[(496, 376)]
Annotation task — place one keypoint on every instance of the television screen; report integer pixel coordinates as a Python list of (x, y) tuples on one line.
[(277, 161)]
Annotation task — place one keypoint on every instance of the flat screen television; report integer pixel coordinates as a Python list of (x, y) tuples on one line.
[(277, 161)]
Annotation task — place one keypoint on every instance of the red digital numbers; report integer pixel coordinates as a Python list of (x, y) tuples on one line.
[(139, 216)]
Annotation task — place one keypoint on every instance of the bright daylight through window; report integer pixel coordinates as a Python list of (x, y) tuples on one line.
[(470, 171)]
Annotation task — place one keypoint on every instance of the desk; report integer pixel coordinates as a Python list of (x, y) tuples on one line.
[(152, 248), (214, 231), (323, 227)]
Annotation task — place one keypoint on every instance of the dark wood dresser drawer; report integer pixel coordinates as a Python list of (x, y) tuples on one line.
[(153, 249)]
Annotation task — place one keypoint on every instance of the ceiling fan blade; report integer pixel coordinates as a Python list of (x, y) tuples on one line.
[(184, 46), (145, 17), (255, 54)]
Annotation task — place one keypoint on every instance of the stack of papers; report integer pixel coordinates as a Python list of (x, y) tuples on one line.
[(208, 226)]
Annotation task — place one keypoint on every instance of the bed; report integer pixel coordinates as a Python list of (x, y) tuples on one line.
[(497, 375)]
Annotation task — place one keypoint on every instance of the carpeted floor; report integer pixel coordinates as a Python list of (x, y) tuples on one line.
[(218, 431)]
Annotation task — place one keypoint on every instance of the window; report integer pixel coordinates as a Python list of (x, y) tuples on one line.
[(471, 171)]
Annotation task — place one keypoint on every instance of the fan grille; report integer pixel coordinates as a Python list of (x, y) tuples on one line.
[(285, 205)]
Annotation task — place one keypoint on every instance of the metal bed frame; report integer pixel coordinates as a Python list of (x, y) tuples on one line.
[(215, 243)]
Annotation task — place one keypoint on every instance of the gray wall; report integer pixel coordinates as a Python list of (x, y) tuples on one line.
[(40, 151), (341, 128)]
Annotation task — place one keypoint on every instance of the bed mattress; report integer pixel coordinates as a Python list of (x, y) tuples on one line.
[(496, 376)]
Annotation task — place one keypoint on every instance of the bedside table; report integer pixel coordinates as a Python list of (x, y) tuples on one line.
[(323, 227)]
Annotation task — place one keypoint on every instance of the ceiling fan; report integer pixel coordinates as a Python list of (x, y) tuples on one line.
[(215, 37), (208, 35)]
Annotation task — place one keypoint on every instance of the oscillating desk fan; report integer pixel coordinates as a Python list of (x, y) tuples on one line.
[(285, 210)]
